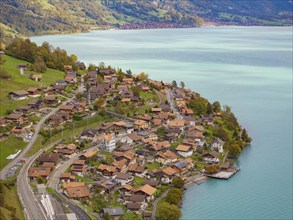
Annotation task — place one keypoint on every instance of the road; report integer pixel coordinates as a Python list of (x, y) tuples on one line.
[(155, 204), (32, 208), (54, 180), (171, 103), (4, 172)]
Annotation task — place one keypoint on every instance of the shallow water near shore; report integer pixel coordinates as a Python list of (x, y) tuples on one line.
[(248, 68)]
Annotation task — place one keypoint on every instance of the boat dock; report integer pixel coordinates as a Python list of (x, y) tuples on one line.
[(224, 174)]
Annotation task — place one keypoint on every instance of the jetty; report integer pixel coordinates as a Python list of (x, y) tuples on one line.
[(224, 174)]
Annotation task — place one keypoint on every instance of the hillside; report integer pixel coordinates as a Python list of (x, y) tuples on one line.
[(54, 16)]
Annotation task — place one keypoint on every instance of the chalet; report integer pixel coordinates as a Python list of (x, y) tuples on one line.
[(107, 170), (166, 157), (141, 125), (18, 95), (211, 157), (186, 111), (138, 200), (128, 81), (144, 117), (107, 142), (3, 137), (137, 170), (24, 110), (15, 118), (88, 154), (177, 124), (126, 93), (126, 190), (115, 213), (34, 172), (168, 174), (67, 108), (38, 104), (70, 77), (163, 116), (67, 177), (66, 149), (88, 134), (98, 91), (59, 118), (123, 178), (51, 100), (218, 144), (78, 168), (165, 108), (80, 65), (184, 150), (77, 191), (49, 157), (181, 167), (34, 92), (146, 190), (131, 138), (190, 120), (3, 121), (105, 72), (194, 135), (144, 87), (153, 183), (37, 77), (121, 165), (17, 131), (133, 206)]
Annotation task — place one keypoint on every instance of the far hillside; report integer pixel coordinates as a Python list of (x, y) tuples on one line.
[(21, 82)]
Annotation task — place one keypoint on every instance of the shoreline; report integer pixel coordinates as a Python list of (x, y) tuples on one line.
[(195, 180)]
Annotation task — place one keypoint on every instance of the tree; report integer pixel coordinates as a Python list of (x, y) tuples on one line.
[(198, 105), (143, 76), (91, 67), (173, 198), (234, 150), (39, 65), (210, 110), (100, 102), (222, 134), (174, 83), (40, 180), (107, 216), (182, 84), (211, 169), (161, 131), (178, 182), (135, 90), (245, 137), (73, 57), (216, 106), (167, 211)]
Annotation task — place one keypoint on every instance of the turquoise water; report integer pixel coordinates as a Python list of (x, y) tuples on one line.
[(248, 68)]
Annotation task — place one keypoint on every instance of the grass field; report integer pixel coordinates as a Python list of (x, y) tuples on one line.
[(10, 208), (21, 82), (8, 147)]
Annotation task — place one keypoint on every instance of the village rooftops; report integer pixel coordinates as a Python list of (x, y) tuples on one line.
[(123, 176)]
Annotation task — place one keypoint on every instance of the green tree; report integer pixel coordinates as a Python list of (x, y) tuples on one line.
[(167, 211), (173, 198), (107, 216), (234, 150), (100, 102), (182, 84), (161, 131), (245, 137), (40, 180), (39, 65), (143, 76), (178, 182), (216, 106), (222, 134), (135, 90), (198, 105), (174, 83), (91, 67), (210, 110)]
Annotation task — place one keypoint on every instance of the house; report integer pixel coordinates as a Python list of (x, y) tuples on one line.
[(34, 92), (34, 172), (190, 120), (128, 155), (131, 138), (17, 131), (18, 95), (181, 166), (37, 77), (77, 192), (88, 134), (22, 67), (88, 154), (165, 108), (137, 202), (144, 87), (107, 170), (137, 170), (15, 118), (49, 157), (51, 100), (153, 183), (211, 157), (128, 81), (168, 174), (3, 137), (218, 144), (24, 110), (59, 118), (184, 150), (134, 206), (166, 157), (115, 213), (123, 178), (146, 190), (141, 125), (78, 168), (177, 124), (70, 77), (107, 142), (3, 121), (121, 165), (156, 110), (66, 108), (67, 177), (194, 134)]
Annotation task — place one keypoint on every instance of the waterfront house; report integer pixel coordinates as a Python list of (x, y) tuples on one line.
[(218, 144), (181, 166), (168, 174), (146, 190), (18, 95), (184, 150), (211, 157)]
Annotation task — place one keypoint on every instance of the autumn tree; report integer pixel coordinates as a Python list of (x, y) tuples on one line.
[(143, 76), (39, 65), (100, 102)]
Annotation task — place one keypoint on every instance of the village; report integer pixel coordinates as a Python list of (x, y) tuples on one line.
[(149, 141)]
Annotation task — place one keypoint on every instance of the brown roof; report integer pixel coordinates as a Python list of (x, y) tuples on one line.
[(90, 153), (120, 164), (79, 162), (66, 185), (66, 107), (67, 175), (139, 122), (136, 198), (48, 164), (20, 93), (147, 189), (169, 171), (153, 183), (32, 89), (183, 148), (13, 116), (170, 154), (136, 168), (108, 168), (127, 187), (134, 136), (78, 192), (123, 176), (177, 123), (39, 171), (133, 206)]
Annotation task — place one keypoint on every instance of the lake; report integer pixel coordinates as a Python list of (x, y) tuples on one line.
[(247, 68)]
